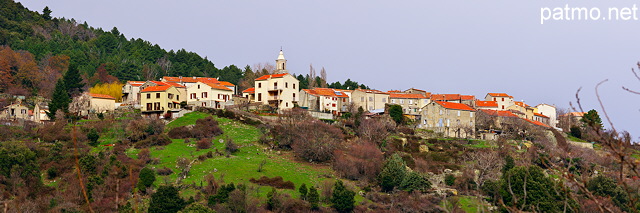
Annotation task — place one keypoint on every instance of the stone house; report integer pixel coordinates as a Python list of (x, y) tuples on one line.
[(411, 103), (449, 118), (324, 100), (369, 100)]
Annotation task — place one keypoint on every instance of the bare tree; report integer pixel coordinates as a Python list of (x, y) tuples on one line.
[(323, 78), (486, 165), (149, 73), (264, 68), (164, 64), (312, 77)]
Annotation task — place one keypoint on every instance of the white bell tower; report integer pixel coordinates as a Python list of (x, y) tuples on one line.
[(281, 63)]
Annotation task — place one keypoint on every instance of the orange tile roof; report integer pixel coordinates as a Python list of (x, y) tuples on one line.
[(156, 88), (537, 123), (218, 86), (95, 95), (372, 91), (412, 96), (250, 90), (416, 90), (457, 106), (445, 97), (265, 77), (575, 114), (541, 115), (394, 91), (522, 104), (499, 95), (190, 79), (499, 113), (467, 97), (160, 83), (486, 103), (326, 92), (226, 83), (136, 83)]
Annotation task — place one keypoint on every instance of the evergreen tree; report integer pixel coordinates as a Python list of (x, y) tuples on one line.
[(303, 191), (415, 181), (73, 81), (46, 13), (592, 119), (93, 137), (272, 199), (60, 100), (146, 178), (166, 200), (313, 197), (529, 189), (508, 164), (393, 173), (395, 111), (343, 200), (607, 187)]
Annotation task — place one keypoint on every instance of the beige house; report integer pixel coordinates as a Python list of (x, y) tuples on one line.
[(451, 119), (156, 100), (492, 105), (417, 91), (280, 90), (370, 100), (523, 110), (15, 111), (455, 98), (250, 94), (100, 103), (324, 100), (411, 103), (182, 90), (502, 99), (209, 95), (131, 92), (549, 111), (542, 119)]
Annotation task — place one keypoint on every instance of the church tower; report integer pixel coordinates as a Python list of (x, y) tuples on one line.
[(281, 63)]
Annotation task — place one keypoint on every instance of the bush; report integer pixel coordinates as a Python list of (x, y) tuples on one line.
[(146, 178), (180, 132), (93, 137), (153, 140), (343, 200), (362, 160), (607, 187), (316, 140), (415, 181), (141, 129), (204, 143), (164, 171), (206, 128), (392, 173), (276, 182), (52, 173), (576, 132), (313, 197), (166, 199), (230, 146), (449, 179)]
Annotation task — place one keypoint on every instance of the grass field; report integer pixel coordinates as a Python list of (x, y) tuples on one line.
[(238, 167)]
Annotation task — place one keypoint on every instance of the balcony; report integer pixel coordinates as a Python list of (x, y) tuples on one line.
[(274, 88)]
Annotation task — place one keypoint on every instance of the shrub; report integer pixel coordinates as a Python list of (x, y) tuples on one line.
[(395, 111), (223, 194), (164, 171), (204, 143), (303, 191), (153, 140), (313, 197), (362, 160), (276, 182), (415, 181), (166, 199), (576, 132), (316, 141), (206, 128), (180, 132), (52, 173), (392, 173), (230, 146), (93, 137), (343, 200), (146, 178), (141, 129), (607, 187), (449, 179)]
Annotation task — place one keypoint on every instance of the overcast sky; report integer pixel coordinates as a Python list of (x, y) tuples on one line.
[(468, 47)]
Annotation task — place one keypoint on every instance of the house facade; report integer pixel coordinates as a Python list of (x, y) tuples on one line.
[(15, 111), (324, 100), (504, 101), (131, 92), (411, 103), (209, 95), (100, 103), (157, 100), (449, 118), (492, 105), (278, 90), (369, 100), (549, 111)]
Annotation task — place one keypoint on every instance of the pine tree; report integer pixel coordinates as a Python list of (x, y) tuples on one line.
[(313, 197), (303, 191), (46, 13), (393, 173), (343, 200), (166, 199), (73, 81), (60, 100)]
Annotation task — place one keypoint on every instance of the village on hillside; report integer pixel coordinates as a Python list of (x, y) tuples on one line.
[(452, 115)]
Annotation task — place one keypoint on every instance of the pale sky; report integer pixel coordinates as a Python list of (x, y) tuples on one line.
[(458, 46)]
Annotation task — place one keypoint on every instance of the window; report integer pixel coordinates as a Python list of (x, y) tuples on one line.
[(333, 105), (259, 96), (294, 96), (502, 99), (259, 85), (440, 112), (286, 104), (494, 99), (370, 98), (275, 85), (170, 96), (157, 95), (361, 99), (401, 101), (198, 86), (294, 86), (393, 101), (410, 101), (448, 122), (204, 95), (177, 97), (204, 104), (440, 124), (471, 114), (169, 105), (148, 95), (502, 106), (149, 106), (286, 84), (219, 96), (192, 96), (156, 106), (458, 113)]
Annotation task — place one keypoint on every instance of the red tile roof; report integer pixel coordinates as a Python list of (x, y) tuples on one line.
[(486, 103), (499, 95), (226, 83), (457, 106), (445, 97), (541, 115), (94, 95), (265, 77), (372, 91), (575, 114), (160, 83), (136, 83), (537, 123), (156, 88), (218, 86), (326, 92), (412, 96), (250, 90), (499, 113), (189, 79), (394, 91), (467, 97), (522, 104)]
